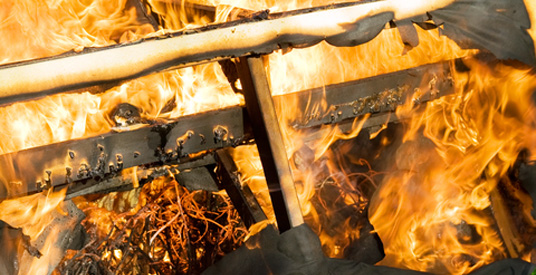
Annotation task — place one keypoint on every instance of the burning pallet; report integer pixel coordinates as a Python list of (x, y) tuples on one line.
[(189, 147)]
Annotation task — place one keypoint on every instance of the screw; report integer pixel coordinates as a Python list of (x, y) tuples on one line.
[(219, 133)]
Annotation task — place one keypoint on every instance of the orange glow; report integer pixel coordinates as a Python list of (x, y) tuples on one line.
[(453, 155), (33, 214), (40, 28), (72, 25), (44, 28)]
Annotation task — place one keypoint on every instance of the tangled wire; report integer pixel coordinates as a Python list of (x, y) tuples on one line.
[(170, 231)]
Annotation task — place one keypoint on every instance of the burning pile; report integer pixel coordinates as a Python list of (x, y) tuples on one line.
[(170, 229), (429, 184)]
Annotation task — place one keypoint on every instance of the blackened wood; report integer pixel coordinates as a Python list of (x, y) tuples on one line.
[(240, 194), (378, 94), (101, 157), (269, 142)]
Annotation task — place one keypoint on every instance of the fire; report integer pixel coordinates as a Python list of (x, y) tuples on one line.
[(319, 66), (43, 28), (72, 25), (32, 220), (426, 205), (34, 214), (466, 142)]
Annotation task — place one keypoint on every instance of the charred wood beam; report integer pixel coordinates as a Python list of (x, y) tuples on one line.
[(86, 162), (378, 94), (240, 194), (269, 140), (101, 157), (346, 24)]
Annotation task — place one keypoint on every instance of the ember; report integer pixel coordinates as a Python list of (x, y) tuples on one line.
[(418, 116), (168, 229)]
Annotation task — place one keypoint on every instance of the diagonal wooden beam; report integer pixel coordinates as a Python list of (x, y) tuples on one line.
[(269, 140)]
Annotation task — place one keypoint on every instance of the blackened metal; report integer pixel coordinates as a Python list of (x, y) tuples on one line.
[(143, 175), (199, 178), (269, 142), (126, 114), (240, 194)]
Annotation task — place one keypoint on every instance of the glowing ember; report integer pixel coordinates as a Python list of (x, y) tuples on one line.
[(171, 229)]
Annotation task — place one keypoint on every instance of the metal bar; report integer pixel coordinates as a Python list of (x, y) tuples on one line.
[(340, 25), (269, 142), (241, 195), (21, 171)]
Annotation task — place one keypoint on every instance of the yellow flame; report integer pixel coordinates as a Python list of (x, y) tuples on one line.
[(454, 155), (473, 137), (31, 213), (39, 28), (34, 214)]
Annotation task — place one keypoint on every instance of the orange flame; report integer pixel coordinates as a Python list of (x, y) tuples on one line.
[(473, 137), (33, 214)]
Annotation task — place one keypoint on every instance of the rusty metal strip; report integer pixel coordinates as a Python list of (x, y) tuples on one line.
[(92, 159)]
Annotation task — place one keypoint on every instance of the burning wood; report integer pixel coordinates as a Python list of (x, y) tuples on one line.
[(340, 25), (94, 159), (473, 149), (176, 230)]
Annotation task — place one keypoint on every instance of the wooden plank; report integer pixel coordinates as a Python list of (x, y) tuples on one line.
[(26, 171), (339, 25), (269, 140)]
